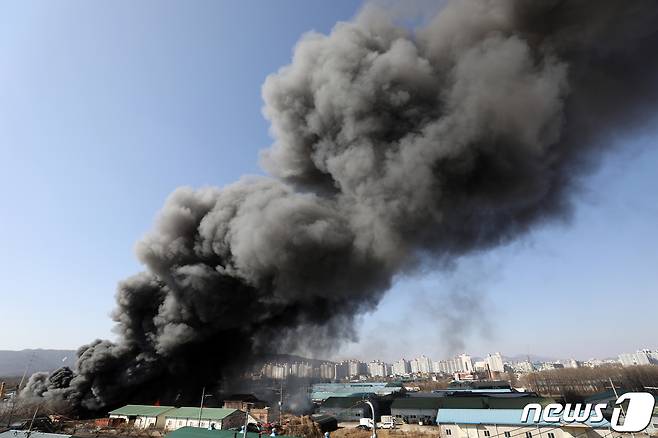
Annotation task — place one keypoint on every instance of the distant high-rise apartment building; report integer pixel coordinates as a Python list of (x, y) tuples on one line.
[(461, 363), (357, 368), (466, 363), (640, 357), (276, 371), (341, 370), (327, 370), (378, 368), (495, 362), (572, 363), (424, 364), (401, 368)]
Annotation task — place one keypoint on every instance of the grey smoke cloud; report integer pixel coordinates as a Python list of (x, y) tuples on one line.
[(390, 146)]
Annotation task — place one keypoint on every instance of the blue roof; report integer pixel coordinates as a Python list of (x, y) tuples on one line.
[(498, 416), (322, 391)]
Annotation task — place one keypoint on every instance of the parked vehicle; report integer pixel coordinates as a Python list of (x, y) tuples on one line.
[(387, 422), (365, 422)]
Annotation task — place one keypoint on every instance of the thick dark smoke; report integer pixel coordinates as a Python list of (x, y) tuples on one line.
[(391, 146)]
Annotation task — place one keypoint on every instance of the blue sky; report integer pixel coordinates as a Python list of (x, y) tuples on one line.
[(106, 107)]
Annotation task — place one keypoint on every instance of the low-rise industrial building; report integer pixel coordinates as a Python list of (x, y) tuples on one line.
[(322, 391), (346, 408), (506, 423), (424, 407), (142, 416), (249, 403), (215, 418), (416, 409)]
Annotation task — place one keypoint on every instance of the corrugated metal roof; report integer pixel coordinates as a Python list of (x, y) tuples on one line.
[(207, 414), (318, 396), (429, 402), (472, 385), (463, 403), (469, 390), (499, 416), (322, 391), (141, 410), (417, 403), (516, 403), (199, 432), (482, 416), (344, 402)]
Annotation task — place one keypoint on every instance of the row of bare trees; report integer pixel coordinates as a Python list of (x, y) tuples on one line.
[(583, 382)]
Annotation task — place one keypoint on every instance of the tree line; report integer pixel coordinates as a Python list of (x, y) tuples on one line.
[(574, 383)]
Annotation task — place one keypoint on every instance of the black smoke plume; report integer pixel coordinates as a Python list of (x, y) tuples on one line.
[(391, 146)]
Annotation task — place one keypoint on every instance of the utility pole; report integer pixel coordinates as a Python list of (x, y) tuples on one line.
[(246, 420), (203, 396), (374, 419), (281, 404), (18, 390), (617, 396), (652, 388), (29, 429)]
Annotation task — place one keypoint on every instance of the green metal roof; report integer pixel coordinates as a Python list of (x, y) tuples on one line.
[(516, 403), (141, 410), (199, 432), (344, 402), (467, 402), (417, 403), (207, 414), (462, 403)]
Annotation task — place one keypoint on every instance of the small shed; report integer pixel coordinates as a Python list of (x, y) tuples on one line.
[(142, 416)]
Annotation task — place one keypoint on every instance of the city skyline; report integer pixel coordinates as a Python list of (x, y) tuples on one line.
[(459, 364)]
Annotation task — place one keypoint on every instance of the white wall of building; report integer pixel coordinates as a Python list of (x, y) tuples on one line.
[(516, 431)]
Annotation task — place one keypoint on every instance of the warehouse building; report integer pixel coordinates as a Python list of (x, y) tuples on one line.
[(423, 408), (416, 409), (142, 416), (506, 423), (215, 418), (348, 408), (322, 391), (354, 408)]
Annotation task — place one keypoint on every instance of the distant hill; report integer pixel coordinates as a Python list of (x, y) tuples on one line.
[(291, 358), (13, 363)]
